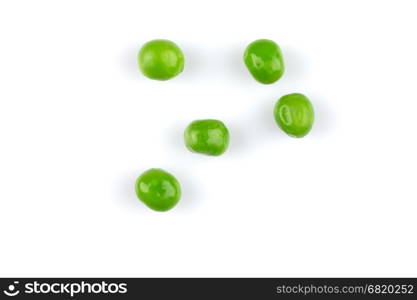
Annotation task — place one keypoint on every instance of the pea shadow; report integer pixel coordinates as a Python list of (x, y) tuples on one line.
[(126, 191), (295, 64), (239, 144), (129, 62), (234, 67), (324, 119), (194, 67), (189, 189)]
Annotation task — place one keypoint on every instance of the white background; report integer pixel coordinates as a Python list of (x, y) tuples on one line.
[(79, 123)]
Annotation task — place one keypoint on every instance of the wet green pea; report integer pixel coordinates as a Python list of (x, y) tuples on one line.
[(294, 114), (209, 137), (160, 59), (158, 189), (264, 60)]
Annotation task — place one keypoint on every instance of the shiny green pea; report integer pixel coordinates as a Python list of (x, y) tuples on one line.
[(158, 189), (294, 114), (160, 59), (209, 137), (264, 60)]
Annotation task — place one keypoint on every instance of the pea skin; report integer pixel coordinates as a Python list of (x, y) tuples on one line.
[(160, 60), (210, 137), (158, 189), (294, 114), (264, 60)]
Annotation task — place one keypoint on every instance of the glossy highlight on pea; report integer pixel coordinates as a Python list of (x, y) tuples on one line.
[(160, 59), (264, 60), (210, 137), (158, 189), (294, 114)]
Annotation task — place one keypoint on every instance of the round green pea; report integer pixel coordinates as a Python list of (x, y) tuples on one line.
[(209, 137), (264, 60), (294, 114), (158, 189), (160, 59)]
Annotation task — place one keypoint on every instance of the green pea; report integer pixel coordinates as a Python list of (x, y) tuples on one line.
[(209, 137), (294, 114), (161, 59), (263, 58), (158, 189)]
